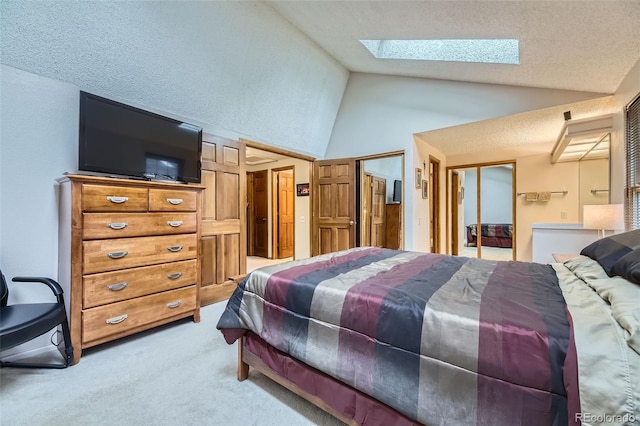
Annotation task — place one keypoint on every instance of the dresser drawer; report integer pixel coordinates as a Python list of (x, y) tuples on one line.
[(122, 253), (164, 200), (116, 225), (96, 198), (120, 317), (108, 287)]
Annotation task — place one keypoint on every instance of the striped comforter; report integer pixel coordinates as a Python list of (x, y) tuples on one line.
[(442, 339)]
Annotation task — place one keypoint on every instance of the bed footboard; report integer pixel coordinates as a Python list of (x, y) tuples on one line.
[(341, 401)]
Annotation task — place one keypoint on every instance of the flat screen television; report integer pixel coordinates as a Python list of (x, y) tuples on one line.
[(397, 191), (118, 139)]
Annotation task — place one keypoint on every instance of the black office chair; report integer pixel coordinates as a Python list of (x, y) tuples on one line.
[(20, 323)]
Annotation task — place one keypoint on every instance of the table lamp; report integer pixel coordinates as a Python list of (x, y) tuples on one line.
[(603, 217)]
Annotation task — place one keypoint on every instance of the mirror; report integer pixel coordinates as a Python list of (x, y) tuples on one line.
[(493, 210), (380, 202), (593, 177)]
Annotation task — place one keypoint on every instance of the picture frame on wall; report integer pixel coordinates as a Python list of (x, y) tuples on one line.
[(418, 177), (302, 189), (425, 189)]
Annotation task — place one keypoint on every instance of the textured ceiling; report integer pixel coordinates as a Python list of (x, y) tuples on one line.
[(538, 129), (575, 45)]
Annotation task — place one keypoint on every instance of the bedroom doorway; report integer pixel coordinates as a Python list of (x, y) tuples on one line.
[(379, 201), (278, 213), (482, 210)]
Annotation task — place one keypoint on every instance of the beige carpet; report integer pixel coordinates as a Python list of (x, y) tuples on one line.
[(490, 253), (255, 262), (179, 374)]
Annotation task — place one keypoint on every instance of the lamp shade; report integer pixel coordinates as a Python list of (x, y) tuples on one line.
[(603, 216)]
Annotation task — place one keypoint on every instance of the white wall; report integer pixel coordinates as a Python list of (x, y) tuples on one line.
[(38, 143), (236, 68), (416, 211), (627, 91), (381, 113)]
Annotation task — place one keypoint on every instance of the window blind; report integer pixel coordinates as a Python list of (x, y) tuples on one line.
[(632, 145)]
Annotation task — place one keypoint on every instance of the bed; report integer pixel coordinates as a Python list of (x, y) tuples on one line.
[(377, 336), (493, 235)]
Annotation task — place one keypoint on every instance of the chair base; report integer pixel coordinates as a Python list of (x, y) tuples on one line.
[(67, 362), (4, 364)]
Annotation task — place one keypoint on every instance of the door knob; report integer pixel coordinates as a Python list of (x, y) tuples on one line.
[(351, 223), (264, 219)]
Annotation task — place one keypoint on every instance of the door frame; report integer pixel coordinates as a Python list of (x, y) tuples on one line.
[(456, 199), (275, 211), (296, 156), (361, 188), (434, 205), (450, 198)]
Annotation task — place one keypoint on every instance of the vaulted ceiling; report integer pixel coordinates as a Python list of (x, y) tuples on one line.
[(576, 45)]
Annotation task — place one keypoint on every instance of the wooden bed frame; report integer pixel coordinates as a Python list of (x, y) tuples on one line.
[(247, 359), (364, 404)]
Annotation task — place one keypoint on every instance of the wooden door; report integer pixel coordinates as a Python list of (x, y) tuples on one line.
[(365, 217), (456, 199), (334, 205), (223, 242), (378, 206), (260, 210), (434, 205), (285, 214)]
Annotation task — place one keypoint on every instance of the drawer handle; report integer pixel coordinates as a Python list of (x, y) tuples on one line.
[(174, 248), (174, 223), (117, 287), (118, 254), (174, 276), (117, 225), (175, 304), (117, 200), (174, 201), (117, 320)]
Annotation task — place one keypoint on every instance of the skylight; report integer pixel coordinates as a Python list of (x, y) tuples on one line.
[(502, 51)]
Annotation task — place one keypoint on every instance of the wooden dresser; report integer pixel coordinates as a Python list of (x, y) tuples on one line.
[(393, 226), (129, 256)]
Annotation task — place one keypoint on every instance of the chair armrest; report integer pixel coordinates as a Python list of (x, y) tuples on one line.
[(53, 285)]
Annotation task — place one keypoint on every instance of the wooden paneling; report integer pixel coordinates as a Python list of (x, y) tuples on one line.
[(393, 226), (228, 196), (378, 204), (333, 206), (209, 195), (223, 242)]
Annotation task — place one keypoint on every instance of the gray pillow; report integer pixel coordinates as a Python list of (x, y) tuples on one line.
[(607, 251), (628, 266)]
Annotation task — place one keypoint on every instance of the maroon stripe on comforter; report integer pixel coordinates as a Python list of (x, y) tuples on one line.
[(517, 343)]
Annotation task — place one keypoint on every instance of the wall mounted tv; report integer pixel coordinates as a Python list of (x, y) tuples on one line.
[(118, 139)]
